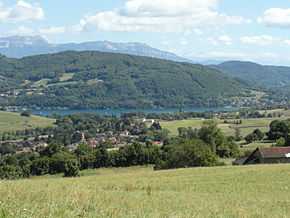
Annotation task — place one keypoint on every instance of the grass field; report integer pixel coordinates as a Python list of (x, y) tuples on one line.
[(247, 126), (237, 192), (252, 146), (13, 121)]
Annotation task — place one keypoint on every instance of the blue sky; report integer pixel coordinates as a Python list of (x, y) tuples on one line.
[(254, 30)]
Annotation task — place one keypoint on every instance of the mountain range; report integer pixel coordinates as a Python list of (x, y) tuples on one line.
[(22, 46), (251, 74)]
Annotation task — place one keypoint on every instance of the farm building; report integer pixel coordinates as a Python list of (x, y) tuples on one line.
[(266, 156)]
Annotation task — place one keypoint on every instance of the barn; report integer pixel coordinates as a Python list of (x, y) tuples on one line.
[(267, 156)]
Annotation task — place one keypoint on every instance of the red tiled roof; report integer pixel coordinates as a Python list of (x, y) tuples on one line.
[(274, 152)]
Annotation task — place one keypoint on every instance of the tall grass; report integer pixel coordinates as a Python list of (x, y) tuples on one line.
[(254, 191)]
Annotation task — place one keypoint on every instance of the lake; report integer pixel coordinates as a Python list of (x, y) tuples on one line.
[(118, 112)]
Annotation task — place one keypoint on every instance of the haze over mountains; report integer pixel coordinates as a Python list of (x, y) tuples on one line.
[(21, 46)]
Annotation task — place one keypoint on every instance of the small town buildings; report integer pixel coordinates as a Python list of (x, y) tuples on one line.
[(266, 156)]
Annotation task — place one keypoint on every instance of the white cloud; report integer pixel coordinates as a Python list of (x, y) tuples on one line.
[(198, 31), (52, 30), (262, 40), (21, 11), (287, 42), (160, 16), (225, 39), (221, 40), (166, 8), (276, 17), (44, 32)]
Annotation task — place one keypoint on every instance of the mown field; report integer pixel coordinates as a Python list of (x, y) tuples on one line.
[(251, 191), (247, 126), (13, 122)]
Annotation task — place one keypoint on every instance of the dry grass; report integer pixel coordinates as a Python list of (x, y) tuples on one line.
[(252, 191)]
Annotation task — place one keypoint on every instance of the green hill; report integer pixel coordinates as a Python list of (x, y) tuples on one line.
[(251, 191), (98, 80), (256, 74), (14, 121)]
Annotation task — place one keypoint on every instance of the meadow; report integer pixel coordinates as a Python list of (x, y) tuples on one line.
[(249, 191), (247, 126), (13, 122)]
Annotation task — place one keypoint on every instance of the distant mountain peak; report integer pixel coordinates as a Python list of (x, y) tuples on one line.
[(21, 46), (22, 41)]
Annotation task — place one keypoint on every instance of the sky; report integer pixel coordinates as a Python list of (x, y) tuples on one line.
[(250, 30)]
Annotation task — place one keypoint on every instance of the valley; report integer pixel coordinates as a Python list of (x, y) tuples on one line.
[(144, 109)]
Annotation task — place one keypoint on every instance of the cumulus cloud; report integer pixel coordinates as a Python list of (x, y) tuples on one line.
[(21, 11), (52, 30), (160, 15), (225, 39), (221, 40), (264, 40), (276, 17)]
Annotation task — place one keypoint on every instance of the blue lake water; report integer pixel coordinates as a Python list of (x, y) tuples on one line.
[(118, 112)]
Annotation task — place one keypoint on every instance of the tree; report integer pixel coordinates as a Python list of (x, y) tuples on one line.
[(40, 166), (211, 135), (256, 135), (280, 142), (189, 153), (7, 149), (86, 156), (71, 168), (156, 126), (238, 134), (251, 138), (228, 149), (187, 133), (278, 129), (51, 150), (10, 172), (58, 161), (259, 134)]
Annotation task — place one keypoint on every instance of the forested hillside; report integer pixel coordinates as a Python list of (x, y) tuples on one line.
[(98, 80), (256, 74)]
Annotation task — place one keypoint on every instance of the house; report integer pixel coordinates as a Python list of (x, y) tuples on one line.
[(267, 156)]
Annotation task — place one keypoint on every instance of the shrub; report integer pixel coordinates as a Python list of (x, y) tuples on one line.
[(260, 135), (280, 142), (71, 169), (40, 166), (10, 172), (25, 114), (256, 135), (251, 138)]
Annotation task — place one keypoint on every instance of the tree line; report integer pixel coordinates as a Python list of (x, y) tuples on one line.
[(191, 148)]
